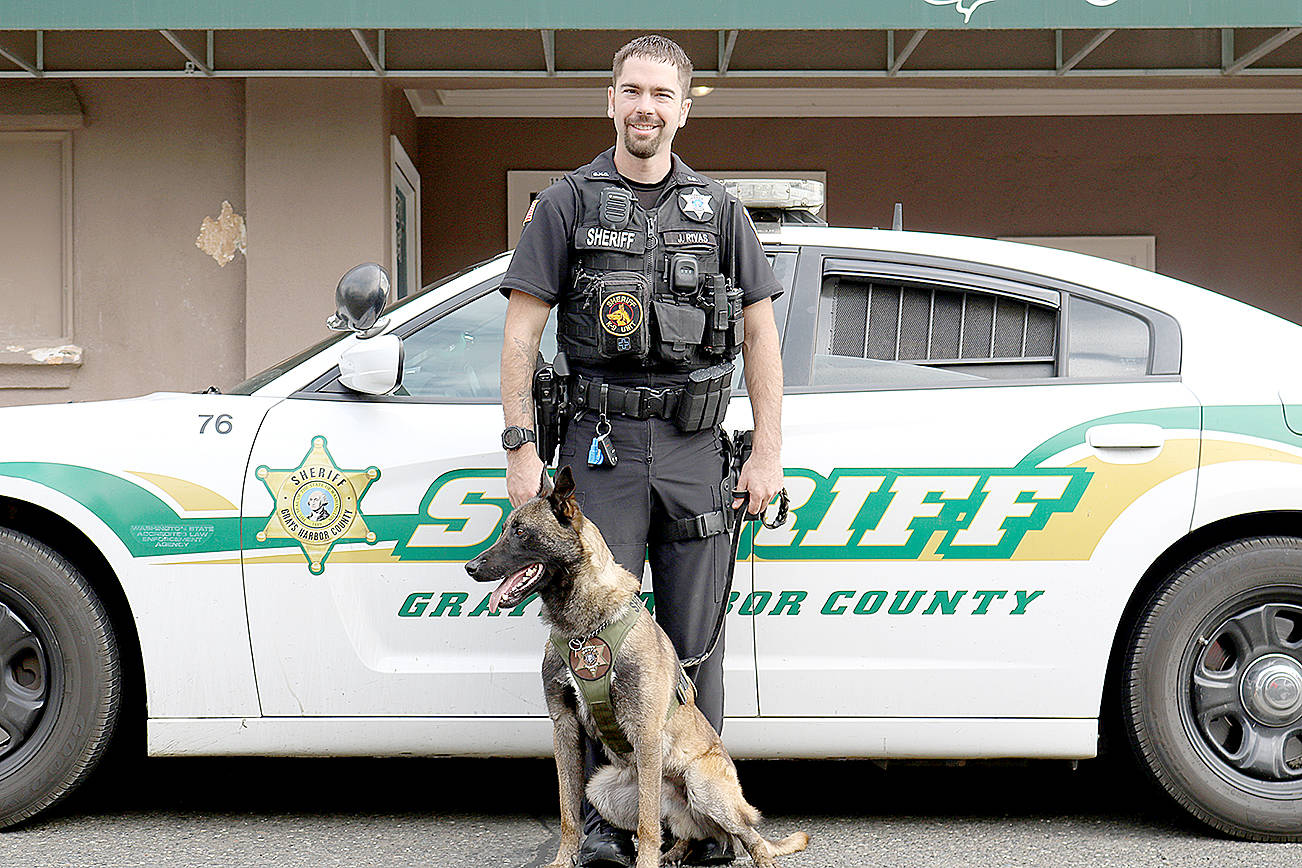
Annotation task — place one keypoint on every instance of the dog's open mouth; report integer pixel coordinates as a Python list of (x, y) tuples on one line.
[(515, 587)]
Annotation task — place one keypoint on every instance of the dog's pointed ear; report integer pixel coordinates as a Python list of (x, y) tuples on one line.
[(565, 482), (545, 486), (561, 496)]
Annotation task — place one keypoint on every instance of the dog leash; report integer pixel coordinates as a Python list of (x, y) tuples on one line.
[(738, 522)]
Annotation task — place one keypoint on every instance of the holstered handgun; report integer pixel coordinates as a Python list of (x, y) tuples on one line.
[(550, 394)]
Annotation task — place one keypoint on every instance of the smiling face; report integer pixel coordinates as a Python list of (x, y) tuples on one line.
[(648, 104)]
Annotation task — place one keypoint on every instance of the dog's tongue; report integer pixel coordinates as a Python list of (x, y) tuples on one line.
[(508, 583)]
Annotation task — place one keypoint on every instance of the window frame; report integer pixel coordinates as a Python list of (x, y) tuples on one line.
[(817, 263), (18, 349)]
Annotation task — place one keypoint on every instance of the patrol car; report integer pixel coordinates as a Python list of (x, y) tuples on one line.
[(1032, 493)]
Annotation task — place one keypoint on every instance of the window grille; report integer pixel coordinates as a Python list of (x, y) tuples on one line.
[(927, 325)]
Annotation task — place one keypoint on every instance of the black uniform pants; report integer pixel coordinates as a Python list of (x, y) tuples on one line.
[(662, 475)]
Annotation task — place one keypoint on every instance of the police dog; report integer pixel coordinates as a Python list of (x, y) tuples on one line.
[(678, 771)]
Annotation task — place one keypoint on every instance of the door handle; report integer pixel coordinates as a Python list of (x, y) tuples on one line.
[(1126, 436)]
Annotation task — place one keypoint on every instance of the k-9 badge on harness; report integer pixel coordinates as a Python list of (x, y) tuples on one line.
[(590, 658), (697, 204)]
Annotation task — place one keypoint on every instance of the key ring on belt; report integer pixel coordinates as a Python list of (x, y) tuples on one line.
[(601, 412)]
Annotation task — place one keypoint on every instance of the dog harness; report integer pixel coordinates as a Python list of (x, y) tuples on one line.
[(591, 661)]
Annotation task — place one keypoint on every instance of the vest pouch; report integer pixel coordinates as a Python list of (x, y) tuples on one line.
[(623, 299), (704, 400), (681, 328)]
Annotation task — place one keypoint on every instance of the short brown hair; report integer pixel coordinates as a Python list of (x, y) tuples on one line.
[(659, 48)]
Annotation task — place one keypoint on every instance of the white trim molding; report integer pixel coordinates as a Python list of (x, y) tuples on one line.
[(565, 102), (404, 177)]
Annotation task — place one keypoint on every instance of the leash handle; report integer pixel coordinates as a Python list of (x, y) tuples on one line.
[(784, 506)]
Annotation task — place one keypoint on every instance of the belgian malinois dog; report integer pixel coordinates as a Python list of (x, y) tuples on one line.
[(678, 770)]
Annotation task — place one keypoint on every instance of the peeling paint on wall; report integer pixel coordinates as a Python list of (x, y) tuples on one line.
[(68, 354), (224, 237)]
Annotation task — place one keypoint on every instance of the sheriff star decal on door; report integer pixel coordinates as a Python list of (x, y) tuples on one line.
[(317, 504)]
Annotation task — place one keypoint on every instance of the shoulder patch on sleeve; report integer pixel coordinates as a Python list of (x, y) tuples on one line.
[(528, 215)]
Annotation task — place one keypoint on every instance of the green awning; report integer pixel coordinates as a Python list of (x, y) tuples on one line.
[(663, 15)]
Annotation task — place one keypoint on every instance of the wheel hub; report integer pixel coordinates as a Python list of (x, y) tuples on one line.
[(1272, 690), (24, 675), (1246, 692)]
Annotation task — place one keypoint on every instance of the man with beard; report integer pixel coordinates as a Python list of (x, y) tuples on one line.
[(660, 281)]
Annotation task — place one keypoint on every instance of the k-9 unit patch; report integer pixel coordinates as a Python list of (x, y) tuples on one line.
[(621, 314)]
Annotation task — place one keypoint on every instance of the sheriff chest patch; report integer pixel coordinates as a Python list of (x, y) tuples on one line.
[(597, 238)]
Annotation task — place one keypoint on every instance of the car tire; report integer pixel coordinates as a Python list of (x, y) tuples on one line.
[(1212, 688), (60, 678)]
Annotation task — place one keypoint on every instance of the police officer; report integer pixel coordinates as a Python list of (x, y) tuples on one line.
[(660, 281)]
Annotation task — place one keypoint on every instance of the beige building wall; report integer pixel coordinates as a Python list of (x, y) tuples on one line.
[(304, 162), (316, 181), (1222, 194), (150, 310), (307, 163)]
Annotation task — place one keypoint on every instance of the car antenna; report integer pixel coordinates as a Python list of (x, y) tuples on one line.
[(897, 223)]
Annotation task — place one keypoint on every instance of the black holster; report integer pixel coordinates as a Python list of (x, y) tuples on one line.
[(550, 399)]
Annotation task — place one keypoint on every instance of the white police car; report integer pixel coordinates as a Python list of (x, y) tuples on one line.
[(1031, 492)]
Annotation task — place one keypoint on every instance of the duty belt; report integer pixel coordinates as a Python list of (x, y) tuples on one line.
[(639, 402)]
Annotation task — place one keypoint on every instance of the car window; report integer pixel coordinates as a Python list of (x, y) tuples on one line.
[(458, 356), (876, 332), (1105, 342), (784, 269)]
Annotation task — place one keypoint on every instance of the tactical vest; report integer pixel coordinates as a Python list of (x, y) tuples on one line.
[(648, 287)]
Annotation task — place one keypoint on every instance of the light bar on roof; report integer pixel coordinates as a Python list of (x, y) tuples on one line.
[(804, 194)]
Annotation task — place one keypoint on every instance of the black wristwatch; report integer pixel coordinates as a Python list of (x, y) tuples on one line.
[(514, 437)]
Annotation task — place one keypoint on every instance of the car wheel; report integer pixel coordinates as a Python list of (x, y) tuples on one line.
[(60, 677), (1213, 688)]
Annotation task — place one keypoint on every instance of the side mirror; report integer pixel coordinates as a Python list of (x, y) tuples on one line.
[(372, 367), (359, 298)]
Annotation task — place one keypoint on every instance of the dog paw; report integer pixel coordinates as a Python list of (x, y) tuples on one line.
[(675, 855)]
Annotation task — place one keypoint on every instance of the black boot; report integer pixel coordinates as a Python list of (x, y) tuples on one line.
[(709, 851), (604, 846)]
